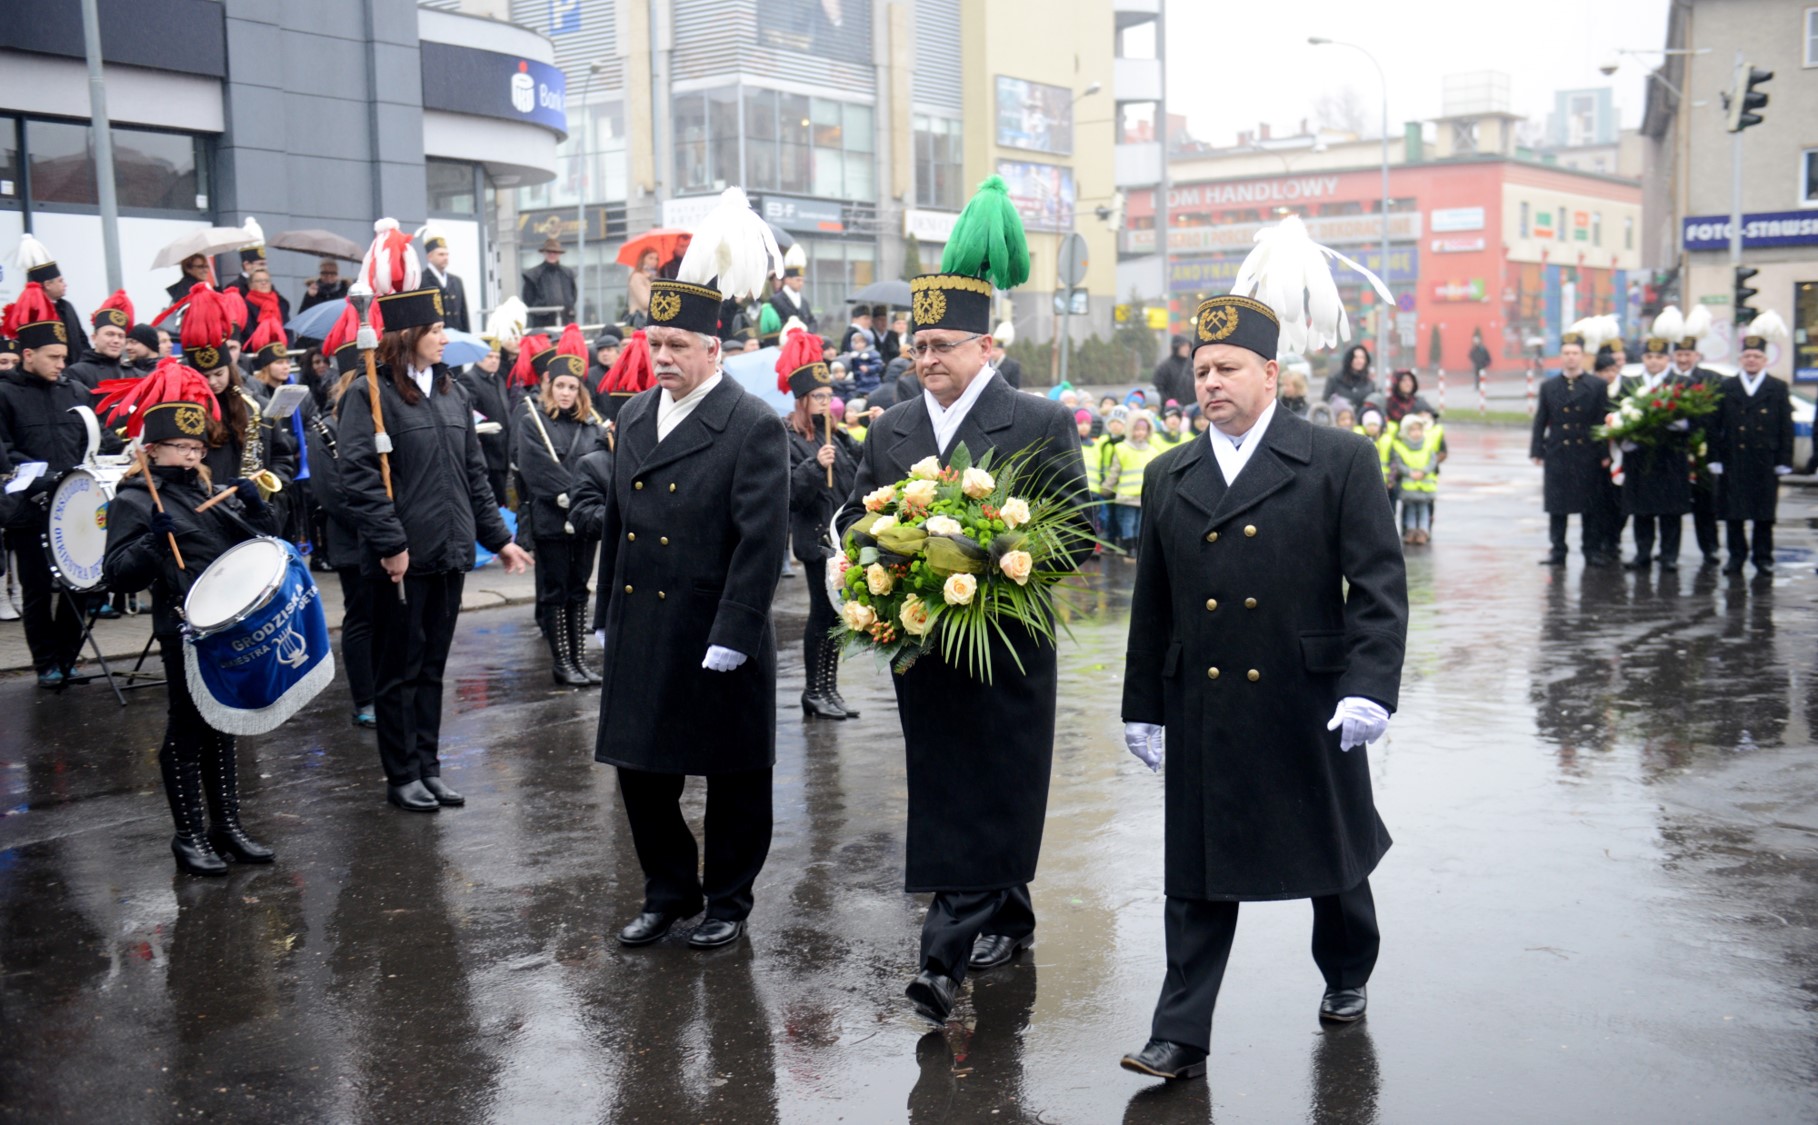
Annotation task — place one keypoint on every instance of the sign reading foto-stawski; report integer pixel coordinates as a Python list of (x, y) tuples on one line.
[(1771, 228), (490, 84)]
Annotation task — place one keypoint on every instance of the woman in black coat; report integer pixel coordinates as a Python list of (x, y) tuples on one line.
[(551, 434), (196, 760), (341, 548), (417, 534), (812, 502)]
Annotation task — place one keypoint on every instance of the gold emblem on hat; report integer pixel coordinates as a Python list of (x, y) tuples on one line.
[(191, 421), (60, 332), (665, 306), (280, 351), (930, 307), (1216, 323), (437, 298), (821, 374), (208, 358)]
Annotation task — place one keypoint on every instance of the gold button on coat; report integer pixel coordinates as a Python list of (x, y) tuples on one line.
[(628, 589), (1249, 603), (672, 488), (637, 484), (631, 536), (1250, 530), (1211, 604), (1255, 675), (1212, 537), (661, 595), (664, 541), (1211, 673)]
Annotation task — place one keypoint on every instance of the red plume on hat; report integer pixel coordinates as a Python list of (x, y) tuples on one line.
[(32, 307), (171, 381), (524, 372), (391, 261), (118, 301), (269, 331), (207, 321), (572, 343), (800, 349), (631, 372), (235, 304), (345, 330)]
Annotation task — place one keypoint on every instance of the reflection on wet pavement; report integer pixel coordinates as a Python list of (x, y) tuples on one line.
[(1600, 906)]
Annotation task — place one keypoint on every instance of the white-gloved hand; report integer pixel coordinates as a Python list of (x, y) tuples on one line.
[(1363, 721), (1716, 468), (1782, 470), (1680, 426), (1148, 742), (599, 638), (1630, 446), (562, 500), (721, 659)]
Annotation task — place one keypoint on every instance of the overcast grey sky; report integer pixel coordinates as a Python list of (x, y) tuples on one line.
[(1232, 65)]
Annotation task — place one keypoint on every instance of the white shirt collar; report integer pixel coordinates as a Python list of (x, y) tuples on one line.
[(1233, 453), (1751, 383), (672, 411), (441, 276), (795, 298), (947, 419), (1653, 382), (424, 379)]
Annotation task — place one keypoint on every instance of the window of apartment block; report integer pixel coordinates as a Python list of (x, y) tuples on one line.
[(153, 171), (1597, 228), (809, 146), (1565, 222), (707, 141), (1808, 178), (938, 164), (1524, 220), (10, 187), (1628, 232), (1811, 37)]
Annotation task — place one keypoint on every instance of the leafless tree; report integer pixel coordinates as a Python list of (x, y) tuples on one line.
[(1344, 110)]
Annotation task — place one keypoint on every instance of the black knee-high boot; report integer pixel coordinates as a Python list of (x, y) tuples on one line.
[(815, 700), (577, 641), (221, 784), (830, 678), (183, 788), (561, 664)]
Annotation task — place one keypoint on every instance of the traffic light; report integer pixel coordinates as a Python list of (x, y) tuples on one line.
[(1745, 101), (1743, 294)]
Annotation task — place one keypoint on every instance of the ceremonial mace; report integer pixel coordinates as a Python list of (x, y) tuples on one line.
[(359, 295)]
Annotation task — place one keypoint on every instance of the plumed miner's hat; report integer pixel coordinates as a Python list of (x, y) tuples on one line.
[(986, 251), (391, 270), (254, 249), (171, 403), (36, 261), (1767, 328), (1284, 298), (116, 311), (32, 321), (800, 370), (732, 255)]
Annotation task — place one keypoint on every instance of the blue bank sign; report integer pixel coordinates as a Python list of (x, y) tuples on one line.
[(489, 84), (1772, 228)]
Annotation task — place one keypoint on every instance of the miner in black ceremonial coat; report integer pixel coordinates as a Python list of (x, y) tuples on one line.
[(692, 536), (1656, 478), (1704, 489), (978, 755), (1751, 450), (435, 272), (1270, 594), (1570, 405)]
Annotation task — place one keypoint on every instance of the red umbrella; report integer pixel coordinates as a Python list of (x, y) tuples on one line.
[(668, 242)]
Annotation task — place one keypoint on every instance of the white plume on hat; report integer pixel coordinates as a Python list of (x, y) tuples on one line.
[(795, 258), (32, 253), (428, 231), (506, 324), (1292, 274), (255, 234), (733, 245), (1768, 326), (1698, 322), (1597, 331), (1004, 333), (793, 324), (1669, 325)]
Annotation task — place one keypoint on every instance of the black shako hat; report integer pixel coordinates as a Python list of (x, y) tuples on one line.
[(951, 301), (685, 305), (1242, 322), (173, 421), (415, 308)]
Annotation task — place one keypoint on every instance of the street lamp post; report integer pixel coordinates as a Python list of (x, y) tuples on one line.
[(580, 200), (1384, 341)]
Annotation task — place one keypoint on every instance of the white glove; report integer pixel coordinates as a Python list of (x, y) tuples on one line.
[(1147, 742), (1782, 470), (1630, 446), (562, 500), (722, 659), (599, 638), (1364, 722), (487, 428), (1716, 468), (1681, 426)]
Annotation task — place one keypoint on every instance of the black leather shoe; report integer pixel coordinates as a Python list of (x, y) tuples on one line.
[(647, 927), (1764, 568), (1637, 563), (1343, 1005), (1162, 1059), (1731, 568), (1669, 565), (715, 932), (1712, 559), (991, 951), (412, 797), (442, 793), (1553, 560), (932, 995), (197, 858)]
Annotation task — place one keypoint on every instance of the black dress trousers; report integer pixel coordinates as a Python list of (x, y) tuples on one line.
[(956, 919), (410, 642), (356, 633), (737, 830), (1199, 935), (53, 629)]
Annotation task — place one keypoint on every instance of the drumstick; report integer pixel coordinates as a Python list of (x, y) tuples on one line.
[(213, 500), (827, 428), (152, 487)]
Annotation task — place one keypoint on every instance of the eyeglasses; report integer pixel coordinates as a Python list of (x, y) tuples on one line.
[(194, 449), (922, 351), (821, 396)]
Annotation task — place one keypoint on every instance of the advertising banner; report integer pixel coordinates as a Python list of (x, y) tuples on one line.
[(1034, 116), (1759, 231), (1042, 193), (489, 84)]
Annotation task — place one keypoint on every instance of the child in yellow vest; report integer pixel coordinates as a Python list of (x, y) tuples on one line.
[(1372, 428), (1414, 462)]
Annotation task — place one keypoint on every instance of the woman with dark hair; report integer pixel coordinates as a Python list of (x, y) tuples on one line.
[(1351, 381), (551, 434), (1404, 398), (812, 502), (417, 530)]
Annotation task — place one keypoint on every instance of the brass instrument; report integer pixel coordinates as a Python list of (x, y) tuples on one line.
[(252, 452)]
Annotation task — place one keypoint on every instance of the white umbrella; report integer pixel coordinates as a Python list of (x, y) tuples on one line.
[(212, 241)]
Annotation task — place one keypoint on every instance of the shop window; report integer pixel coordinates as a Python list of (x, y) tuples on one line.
[(451, 190), (939, 180), (692, 171), (10, 188), (805, 146), (1524, 220), (1628, 232), (1597, 228), (152, 171), (1808, 178), (1565, 222)]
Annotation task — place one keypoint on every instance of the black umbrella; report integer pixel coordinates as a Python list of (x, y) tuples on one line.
[(894, 293)]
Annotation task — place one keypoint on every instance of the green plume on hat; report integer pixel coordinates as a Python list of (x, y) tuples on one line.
[(769, 322), (987, 239)]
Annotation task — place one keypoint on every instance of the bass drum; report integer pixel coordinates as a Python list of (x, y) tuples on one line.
[(256, 638), (75, 542)]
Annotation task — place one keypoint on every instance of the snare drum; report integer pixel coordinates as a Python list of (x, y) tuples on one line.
[(256, 638), (75, 541)]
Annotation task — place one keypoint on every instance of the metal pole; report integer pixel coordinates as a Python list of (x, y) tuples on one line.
[(104, 144), (1167, 179), (580, 201), (1066, 337), (1736, 187), (1388, 314)]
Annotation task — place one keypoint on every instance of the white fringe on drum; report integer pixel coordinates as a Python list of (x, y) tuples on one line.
[(234, 720)]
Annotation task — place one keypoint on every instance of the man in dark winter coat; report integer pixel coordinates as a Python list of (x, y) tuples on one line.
[(483, 382), (435, 272), (1570, 405), (105, 357), (1656, 478), (1751, 450), (1174, 374), (1270, 593), (549, 284), (694, 527)]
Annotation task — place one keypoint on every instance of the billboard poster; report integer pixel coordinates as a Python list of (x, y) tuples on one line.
[(1034, 116), (817, 29), (1042, 193)]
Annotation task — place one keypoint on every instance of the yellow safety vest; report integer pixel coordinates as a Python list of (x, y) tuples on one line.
[(857, 433), (1421, 459), (1130, 465), (1090, 449), (1381, 442)]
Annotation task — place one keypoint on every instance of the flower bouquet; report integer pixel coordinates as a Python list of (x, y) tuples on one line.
[(951, 556), (1644, 416)]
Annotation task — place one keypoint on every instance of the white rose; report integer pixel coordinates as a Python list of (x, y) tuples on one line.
[(959, 589), (879, 499), (915, 618), (878, 580), (1015, 513), (858, 616), (884, 523), (918, 493), (1016, 566), (943, 525), (927, 468), (977, 484)]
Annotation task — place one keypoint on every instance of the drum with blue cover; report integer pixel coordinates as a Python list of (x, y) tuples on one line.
[(256, 647)]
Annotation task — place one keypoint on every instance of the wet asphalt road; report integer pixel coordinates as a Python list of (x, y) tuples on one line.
[(1600, 906)]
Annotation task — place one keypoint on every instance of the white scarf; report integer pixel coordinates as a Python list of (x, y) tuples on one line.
[(947, 419), (1233, 453), (671, 412)]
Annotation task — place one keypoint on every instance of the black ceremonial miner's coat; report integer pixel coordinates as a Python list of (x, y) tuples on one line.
[(690, 545), (1243, 639), (978, 756), (1565, 413)]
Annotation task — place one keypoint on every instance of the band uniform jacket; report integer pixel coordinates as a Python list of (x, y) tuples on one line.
[(1243, 640), (978, 755), (573, 438), (441, 502), (1753, 434), (454, 298), (36, 425), (1565, 413), (1657, 478), (136, 560), (811, 502), (587, 511), (691, 540)]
